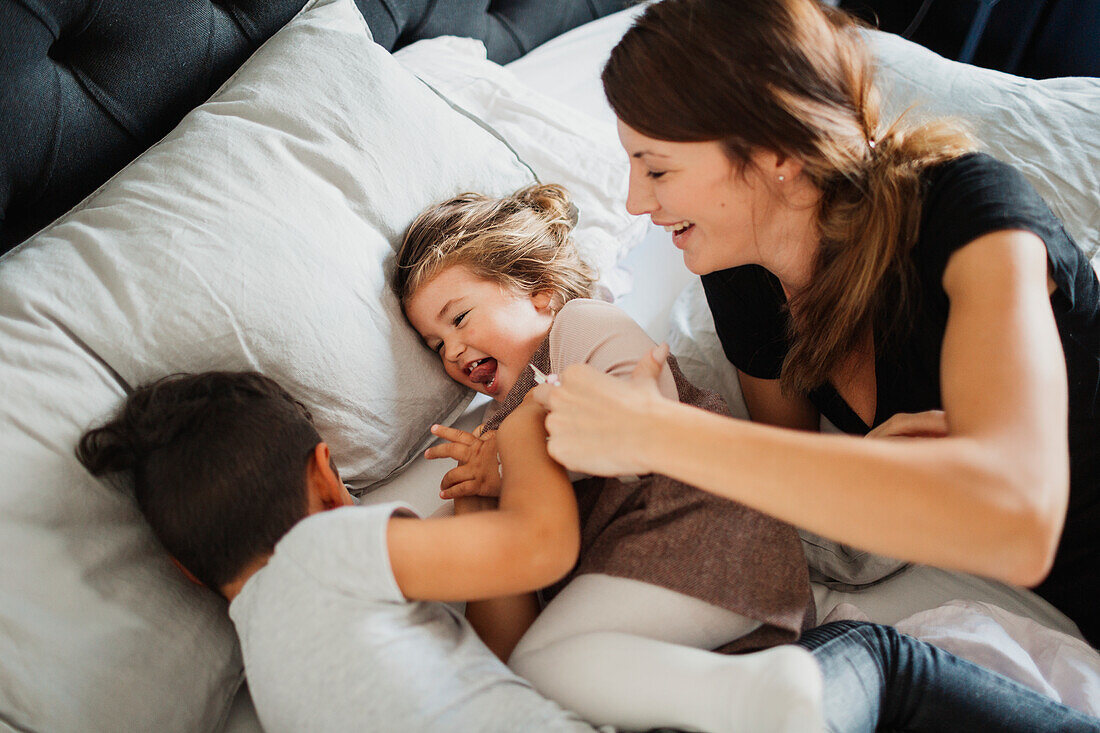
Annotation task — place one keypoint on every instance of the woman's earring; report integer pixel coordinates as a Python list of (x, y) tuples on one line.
[(782, 178)]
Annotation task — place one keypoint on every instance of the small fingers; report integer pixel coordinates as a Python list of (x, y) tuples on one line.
[(456, 476), (453, 434), (457, 451), (459, 490)]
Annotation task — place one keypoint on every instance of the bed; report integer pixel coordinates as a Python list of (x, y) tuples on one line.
[(258, 233)]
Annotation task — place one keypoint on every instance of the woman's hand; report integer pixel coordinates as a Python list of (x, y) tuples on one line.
[(599, 424), (928, 424), (478, 470)]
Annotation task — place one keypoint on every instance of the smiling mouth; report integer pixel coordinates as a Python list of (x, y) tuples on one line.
[(680, 231), (484, 372), (679, 227)]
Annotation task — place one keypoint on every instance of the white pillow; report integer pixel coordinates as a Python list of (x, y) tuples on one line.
[(568, 66), (561, 144), (257, 235), (692, 338), (1047, 129)]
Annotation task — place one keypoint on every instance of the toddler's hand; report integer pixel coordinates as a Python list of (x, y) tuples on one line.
[(478, 470)]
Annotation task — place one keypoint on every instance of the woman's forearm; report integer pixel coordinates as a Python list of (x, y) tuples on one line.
[(945, 501)]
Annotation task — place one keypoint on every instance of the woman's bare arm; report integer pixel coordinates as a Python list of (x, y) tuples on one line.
[(989, 497)]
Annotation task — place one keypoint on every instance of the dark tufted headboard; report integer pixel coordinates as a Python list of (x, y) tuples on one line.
[(87, 85)]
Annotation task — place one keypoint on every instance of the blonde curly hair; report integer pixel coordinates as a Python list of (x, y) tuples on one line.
[(522, 241)]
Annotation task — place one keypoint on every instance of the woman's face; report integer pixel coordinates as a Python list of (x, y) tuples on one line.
[(714, 209), (484, 332)]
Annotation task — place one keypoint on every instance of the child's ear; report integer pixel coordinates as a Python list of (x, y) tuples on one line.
[(545, 300), (323, 484)]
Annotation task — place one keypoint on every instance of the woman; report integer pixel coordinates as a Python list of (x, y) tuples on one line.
[(884, 276)]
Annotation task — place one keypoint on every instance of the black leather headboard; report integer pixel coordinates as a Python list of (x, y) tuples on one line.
[(87, 85)]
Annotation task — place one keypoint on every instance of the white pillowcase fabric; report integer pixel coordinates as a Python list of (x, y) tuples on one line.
[(257, 235), (1047, 129), (1053, 663)]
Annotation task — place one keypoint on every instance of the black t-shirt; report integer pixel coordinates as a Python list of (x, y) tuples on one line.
[(964, 199)]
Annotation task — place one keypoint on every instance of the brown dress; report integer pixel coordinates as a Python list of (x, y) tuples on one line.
[(660, 531)]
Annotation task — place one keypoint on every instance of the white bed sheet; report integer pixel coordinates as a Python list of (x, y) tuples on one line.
[(567, 68)]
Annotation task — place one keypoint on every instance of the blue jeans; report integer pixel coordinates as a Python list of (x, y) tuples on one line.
[(878, 678)]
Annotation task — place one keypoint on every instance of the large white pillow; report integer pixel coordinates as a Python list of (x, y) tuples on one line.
[(257, 235), (562, 144), (1047, 129)]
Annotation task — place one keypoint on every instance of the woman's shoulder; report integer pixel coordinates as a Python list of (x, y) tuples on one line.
[(977, 184), (974, 160), (974, 195), (976, 170)]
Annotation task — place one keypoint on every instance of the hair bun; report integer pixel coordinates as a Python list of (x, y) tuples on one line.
[(139, 428), (552, 201), (523, 240), (109, 449)]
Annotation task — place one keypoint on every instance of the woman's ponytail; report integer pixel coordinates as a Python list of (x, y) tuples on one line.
[(868, 218)]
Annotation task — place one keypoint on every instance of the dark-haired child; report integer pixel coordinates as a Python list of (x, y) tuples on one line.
[(332, 607)]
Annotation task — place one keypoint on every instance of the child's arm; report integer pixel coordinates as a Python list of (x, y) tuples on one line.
[(531, 541), (500, 622)]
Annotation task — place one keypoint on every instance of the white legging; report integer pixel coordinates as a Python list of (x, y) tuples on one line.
[(633, 655)]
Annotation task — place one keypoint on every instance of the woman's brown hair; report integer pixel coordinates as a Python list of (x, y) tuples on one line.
[(795, 77), (523, 241)]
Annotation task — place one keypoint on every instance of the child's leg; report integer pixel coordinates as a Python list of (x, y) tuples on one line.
[(633, 655), (877, 678)]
